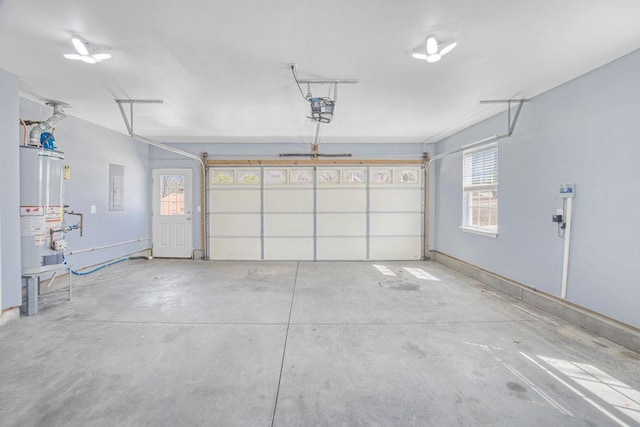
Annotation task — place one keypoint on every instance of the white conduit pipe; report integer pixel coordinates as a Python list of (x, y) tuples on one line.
[(106, 246), (168, 148), (567, 245), (473, 144)]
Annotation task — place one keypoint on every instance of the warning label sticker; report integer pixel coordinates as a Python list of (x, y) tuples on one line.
[(32, 225), (31, 210), (53, 210)]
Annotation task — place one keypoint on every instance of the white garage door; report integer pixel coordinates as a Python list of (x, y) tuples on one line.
[(316, 213)]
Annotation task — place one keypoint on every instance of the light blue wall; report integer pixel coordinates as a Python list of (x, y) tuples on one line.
[(9, 193), (584, 132), (88, 150), (164, 159)]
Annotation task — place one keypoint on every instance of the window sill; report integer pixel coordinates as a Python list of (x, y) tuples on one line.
[(492, 234)]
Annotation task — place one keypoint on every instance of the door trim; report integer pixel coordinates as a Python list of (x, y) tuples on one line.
[(188, 207)]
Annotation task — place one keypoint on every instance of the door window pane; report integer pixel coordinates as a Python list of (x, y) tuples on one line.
[(171, 194)]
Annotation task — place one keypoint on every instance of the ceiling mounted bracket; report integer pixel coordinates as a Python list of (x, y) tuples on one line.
[(129, 122), (511, 124), (328, 82), (315, 149), (321, 110), (150, 141), (322, 107)]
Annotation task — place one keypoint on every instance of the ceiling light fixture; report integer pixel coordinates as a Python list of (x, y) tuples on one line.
[(432, 52), (84, 53)]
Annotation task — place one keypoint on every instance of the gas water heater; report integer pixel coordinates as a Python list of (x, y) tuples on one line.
[(41, 209)]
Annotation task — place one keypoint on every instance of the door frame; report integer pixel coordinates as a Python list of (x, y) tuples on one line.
[(188, 205)]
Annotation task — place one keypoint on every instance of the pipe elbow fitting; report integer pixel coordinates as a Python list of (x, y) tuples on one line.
[(51, 122)]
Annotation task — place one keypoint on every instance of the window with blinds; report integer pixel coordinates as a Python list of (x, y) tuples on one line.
[(480, 189)]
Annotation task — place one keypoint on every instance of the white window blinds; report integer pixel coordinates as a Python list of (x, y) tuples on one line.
[(480, 189), (481, 169)]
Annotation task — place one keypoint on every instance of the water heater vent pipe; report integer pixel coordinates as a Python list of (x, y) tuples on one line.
[(51, 122)]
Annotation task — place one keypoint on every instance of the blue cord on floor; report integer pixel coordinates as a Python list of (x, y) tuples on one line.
[(84, 273)]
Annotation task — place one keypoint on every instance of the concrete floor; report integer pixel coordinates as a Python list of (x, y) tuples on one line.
[(179, 343)]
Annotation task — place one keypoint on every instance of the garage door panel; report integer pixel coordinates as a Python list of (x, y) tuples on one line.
[(348, 224), (226, 225), (222, 248), (234, 200), (342, 248), (285, 200), (389, 224), (395, 248), (396, 199), (288, 225), (288, 217), (342, 200), (288, 248)]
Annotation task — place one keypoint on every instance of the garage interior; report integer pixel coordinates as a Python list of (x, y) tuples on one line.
[(319, 214)]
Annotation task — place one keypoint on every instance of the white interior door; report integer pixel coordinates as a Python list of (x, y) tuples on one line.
[(172, 216)]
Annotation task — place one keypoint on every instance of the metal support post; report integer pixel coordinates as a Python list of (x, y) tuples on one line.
[(30, 306)]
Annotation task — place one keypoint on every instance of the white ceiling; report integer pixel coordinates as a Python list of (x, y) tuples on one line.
[(221, 67)]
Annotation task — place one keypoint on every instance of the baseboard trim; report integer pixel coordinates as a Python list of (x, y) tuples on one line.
[(596, 323)]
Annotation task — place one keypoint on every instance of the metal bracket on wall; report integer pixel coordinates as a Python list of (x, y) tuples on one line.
[(511, 124), (129, 123)]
